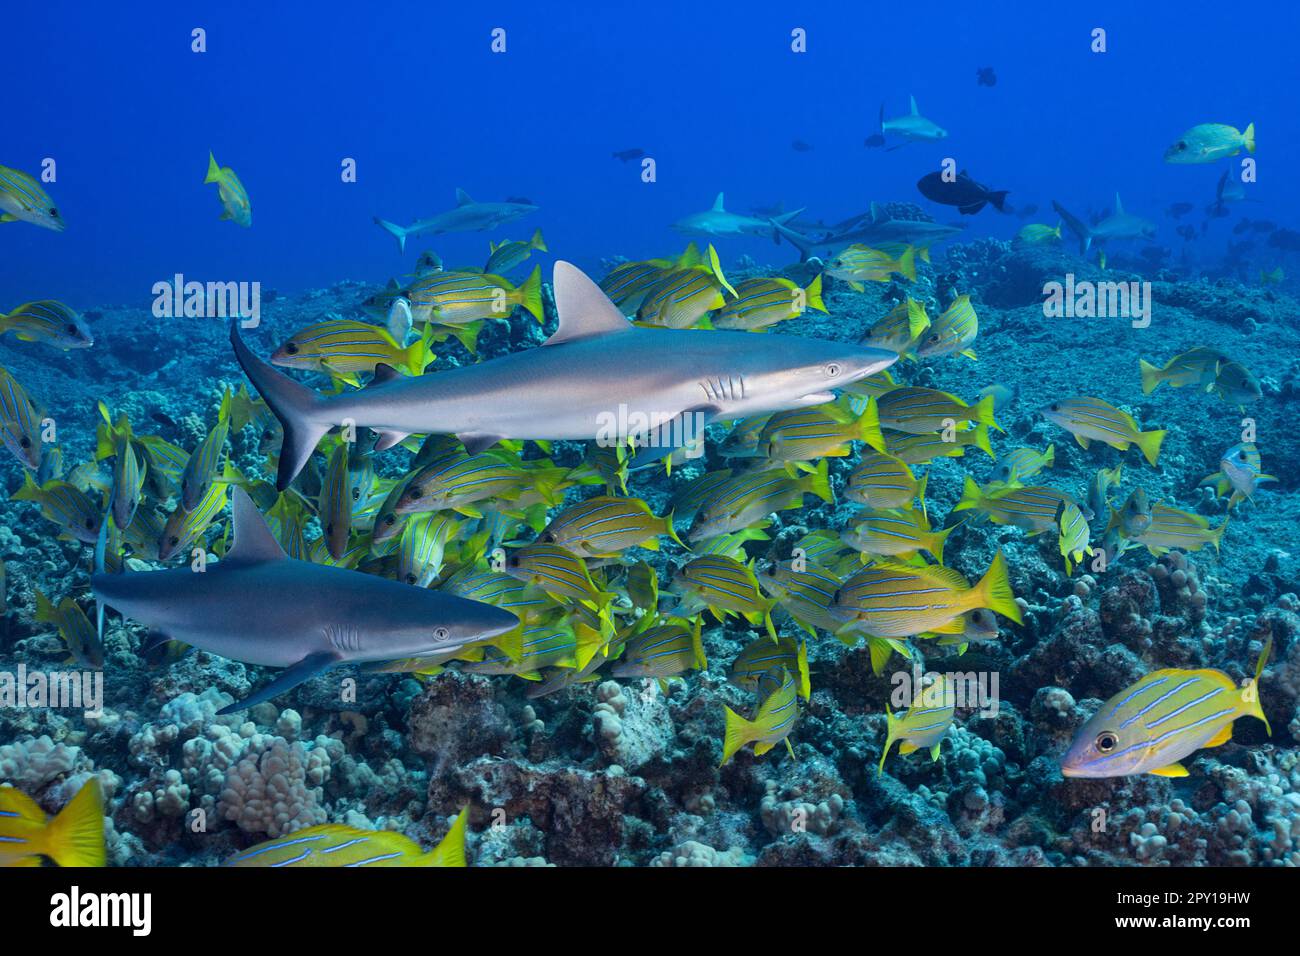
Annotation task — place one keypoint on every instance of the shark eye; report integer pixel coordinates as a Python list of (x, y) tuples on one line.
[(441, 633), (832, 370), (1106, 742)]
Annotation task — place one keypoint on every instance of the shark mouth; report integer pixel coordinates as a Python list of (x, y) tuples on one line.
[(818, 398)]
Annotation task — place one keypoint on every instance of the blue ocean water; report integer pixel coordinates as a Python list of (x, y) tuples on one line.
[(620, 769), (713, 92)]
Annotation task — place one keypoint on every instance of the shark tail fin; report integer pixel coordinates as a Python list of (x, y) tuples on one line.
[(798, 240), (397, 232), (291, 403), (1083, 233)]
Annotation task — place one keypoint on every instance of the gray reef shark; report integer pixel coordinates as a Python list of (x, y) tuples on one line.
[(259, 606), (873, 228), (598, 377), (913, 127), (468, 216), (718, 222), (1118, 225)]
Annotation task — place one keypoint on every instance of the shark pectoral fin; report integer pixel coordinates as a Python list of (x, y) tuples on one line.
[(289, 678), (477, 443), (388, 438)]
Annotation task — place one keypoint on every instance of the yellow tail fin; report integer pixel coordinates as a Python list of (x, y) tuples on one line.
[(819, 483), (971, 496), (450, 851), (530, 294), (1149, 442), (214, 171), (76, 836), (1151, 376), (892, 723), (813, 294), (994, 590), (869, 427), (1249, 137), (537, 242), (739, 732), (907, 263), (1254, 706)]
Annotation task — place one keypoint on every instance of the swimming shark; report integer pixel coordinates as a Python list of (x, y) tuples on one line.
[(468, 216), (598, 377), (913, 127), (1118, 225), (873, 228), (718, 222), (259, 606)]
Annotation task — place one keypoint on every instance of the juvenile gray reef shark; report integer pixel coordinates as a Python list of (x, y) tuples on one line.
[(597, 372), (873, 228), (259, 606), (1118, 225), (718, 222), (467, 216)]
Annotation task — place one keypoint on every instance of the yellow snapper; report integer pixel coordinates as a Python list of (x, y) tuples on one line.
[(889, 599), (919, 411), (1021, 463), (557, 571), (819, 431), (742, 500), (898, 533), (1197, 367), (344, 347), (1036, 233), (761, 303), (20, 423), (859, 263), (883, 481), (773, 719), (1237, 384), (666, 649), (74, 627), (1032, 507), (63, 503), (1210, 142), (760, 656), (234, 198), (50, 322), (606, 525), (900, 330), (1091, 419), (23, 200), (919, 449), (1073, 536), (509, 255), (725, 586), (1166, 716), (681, 298), (459, 298), (1239, 472), (952, 332), (1172, 528), (923, 725), (335, 844), (75, 837)]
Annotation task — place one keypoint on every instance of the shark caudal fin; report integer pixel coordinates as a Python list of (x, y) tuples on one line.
[(798, 240), (395, 230), (294, 405), (1083, 233)]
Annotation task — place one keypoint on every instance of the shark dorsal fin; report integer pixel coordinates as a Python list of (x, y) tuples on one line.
[(463, 199), (914, 110), (1119, 206), (253, 542), (717, 204), (584, 310)]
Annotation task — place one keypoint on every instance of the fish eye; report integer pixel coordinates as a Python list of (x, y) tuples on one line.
[(441, 633), (291, 348), (1106, 742), (1055, 406), (71, 329), (390, 520), (329, 528), (173, 540), (832, 370), (54, 213), (416, 491), (25, 442), (90, 524)]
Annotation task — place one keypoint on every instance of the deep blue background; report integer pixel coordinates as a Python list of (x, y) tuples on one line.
[(413, 92)]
